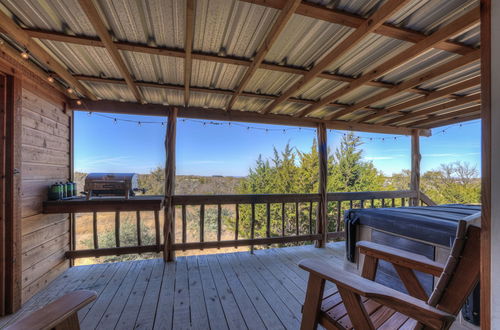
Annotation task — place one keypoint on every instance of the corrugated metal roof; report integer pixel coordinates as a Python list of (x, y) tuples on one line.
[(238, 28)]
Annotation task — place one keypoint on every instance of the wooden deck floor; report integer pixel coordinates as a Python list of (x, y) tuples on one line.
[(233, 290)]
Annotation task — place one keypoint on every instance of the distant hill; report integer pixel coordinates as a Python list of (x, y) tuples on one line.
[(206, 185), (184, 185)]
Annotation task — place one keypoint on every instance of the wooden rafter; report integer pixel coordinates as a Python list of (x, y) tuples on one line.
[(181, 88), (454, 121), (101, 30), (21, 37), (169, 52), (35, 69), (411, 83), (432, 109), (466, 21), (342, 18), (188, 47), (433, 119), (444, 92), (368, 26), (234, 115), (278, 26)]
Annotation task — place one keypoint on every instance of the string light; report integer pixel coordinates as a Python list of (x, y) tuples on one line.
[(267, 130), (25, 55), (79, 102), (50, 79), (70, 90)]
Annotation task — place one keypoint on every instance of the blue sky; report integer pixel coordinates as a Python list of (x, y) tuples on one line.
[(222, 149)]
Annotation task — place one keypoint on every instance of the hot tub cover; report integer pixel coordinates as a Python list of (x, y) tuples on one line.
[(433, 224)]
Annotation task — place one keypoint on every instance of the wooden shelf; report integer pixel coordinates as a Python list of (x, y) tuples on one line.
[(104, 204)]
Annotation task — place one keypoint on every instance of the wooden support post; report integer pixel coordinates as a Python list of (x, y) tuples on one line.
[(321, 223), (415, 167), (169, 225)]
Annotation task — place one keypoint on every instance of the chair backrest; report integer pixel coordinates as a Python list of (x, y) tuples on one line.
[(461, 272)]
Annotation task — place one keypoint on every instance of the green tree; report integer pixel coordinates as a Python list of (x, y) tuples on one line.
[(350, 172), (456, 182)]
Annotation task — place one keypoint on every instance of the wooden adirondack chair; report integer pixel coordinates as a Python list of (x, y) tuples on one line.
[(359, 302), (60, 314)]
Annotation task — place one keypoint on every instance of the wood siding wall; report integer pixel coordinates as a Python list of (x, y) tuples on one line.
[(46, 132)]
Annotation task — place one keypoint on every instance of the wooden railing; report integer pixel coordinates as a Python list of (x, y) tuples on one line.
[(221, 221)]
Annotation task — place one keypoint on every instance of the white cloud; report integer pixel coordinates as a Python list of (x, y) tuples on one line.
[(204, 162), (379, 158), (451, 154)]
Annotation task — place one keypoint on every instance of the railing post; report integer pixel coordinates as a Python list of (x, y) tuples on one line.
[(169, 225), (321, 223), (415, 166)]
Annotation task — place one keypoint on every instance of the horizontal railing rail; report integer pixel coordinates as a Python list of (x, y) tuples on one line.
[(231, 221)]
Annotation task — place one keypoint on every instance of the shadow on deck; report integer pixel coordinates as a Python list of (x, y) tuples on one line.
[(219, 291)]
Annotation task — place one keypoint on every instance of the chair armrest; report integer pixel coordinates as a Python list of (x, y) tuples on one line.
[(403, 303), (400, 257), (56, 312)]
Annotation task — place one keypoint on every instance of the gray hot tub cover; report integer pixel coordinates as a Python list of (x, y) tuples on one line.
[(433, 224)]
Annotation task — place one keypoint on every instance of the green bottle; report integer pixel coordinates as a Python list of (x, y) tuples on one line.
[(64, 191), (69, 189)]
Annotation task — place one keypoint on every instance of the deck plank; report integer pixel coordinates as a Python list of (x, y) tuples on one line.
[(181, 300), (199, 317), (117, 303), (232, 312), (96, 309), (294, 304), (265, 311), (216, 317), (134, 301), (281, 308), (99, 285), (252, 318), (146, 317), (165, 308)]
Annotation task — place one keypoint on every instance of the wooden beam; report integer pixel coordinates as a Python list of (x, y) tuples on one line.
[(343, 18), (322, 221), (415, 167), (101, 30), (179, 53), (434, 119), (487, 168), (188, 47), (23, 39), (475, 98), (284, 16), (11, 245), (233, 115), (466, 21), (413, 82), (169, 224), (368, 26), (444, 92)]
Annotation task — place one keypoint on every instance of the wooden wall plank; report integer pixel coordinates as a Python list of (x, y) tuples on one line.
[(44, 235)]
